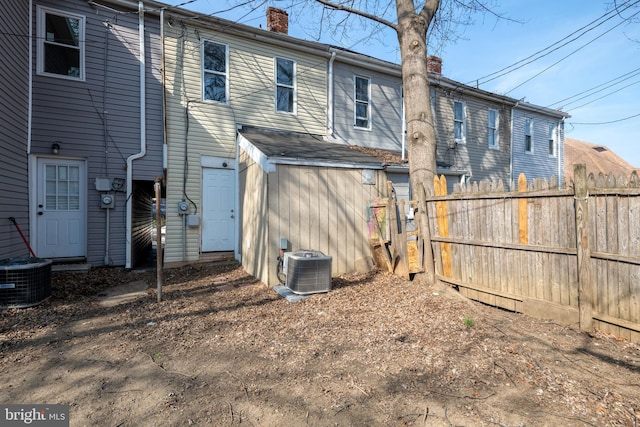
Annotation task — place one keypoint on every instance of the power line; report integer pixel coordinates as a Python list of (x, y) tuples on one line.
[(534, 57), (567, 56), (604, 96), (633, 74), (607, 123)]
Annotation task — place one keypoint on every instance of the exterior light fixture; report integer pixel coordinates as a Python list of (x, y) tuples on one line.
[(55, 148)]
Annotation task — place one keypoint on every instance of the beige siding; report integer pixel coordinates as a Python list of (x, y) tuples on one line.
[(322, 209), (254, 234), (211, 129)]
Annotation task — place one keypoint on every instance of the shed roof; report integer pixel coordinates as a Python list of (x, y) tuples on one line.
[(288, 147)]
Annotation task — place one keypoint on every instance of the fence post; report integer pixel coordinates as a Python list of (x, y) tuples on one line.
[(585, 283)]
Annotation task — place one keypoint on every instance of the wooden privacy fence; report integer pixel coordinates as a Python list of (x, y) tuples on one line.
[(572, 255)]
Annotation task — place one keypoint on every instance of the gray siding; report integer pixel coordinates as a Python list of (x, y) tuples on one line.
[(14, 86), (538, 163), (474, 157), (71, 112), (386, 109)]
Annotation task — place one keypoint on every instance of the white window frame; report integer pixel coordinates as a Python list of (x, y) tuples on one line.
[(292, 87), (553, 146), (214, 72), (495, 126), (357, 101), (42, 13), (462, 121), (528, 134)]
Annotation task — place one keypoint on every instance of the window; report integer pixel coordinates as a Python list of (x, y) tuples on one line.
[(362, 87), (528, 131), (215, 80), (552, 141), (285, 85), (459, 122), (493, 128), (60, 44)]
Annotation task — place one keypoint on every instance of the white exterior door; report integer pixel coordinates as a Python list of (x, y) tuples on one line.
[(61, 215), (218, 210)]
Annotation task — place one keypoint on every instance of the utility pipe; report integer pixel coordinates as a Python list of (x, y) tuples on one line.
[(143, 134)]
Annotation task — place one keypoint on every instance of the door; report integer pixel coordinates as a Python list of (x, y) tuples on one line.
[(61, 215), (218, 215)]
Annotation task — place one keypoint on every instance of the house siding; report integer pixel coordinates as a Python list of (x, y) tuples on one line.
[(99, 119), (320, 208), (14, 107), (474, 157), (254, 234), (211, 130), (538, 164), (385, 108)]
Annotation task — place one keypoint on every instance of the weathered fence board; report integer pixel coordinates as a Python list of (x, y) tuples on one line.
[(572, 254)]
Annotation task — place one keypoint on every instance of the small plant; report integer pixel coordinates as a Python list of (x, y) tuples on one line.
[(156, 356), (468, 322)]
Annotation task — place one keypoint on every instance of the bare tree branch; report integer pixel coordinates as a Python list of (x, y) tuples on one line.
[(357, 12)]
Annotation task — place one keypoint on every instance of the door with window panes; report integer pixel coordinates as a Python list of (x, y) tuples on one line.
[(61, 216)]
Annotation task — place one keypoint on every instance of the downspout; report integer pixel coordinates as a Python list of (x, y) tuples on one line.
[(511, 148), (143, 134), (164, 93), (330, 95), (30, 109), (558, 153)]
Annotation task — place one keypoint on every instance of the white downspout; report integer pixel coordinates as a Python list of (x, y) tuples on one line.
[(511, 149), (143, 133), (164, 93), (30, 109), (330, 96)]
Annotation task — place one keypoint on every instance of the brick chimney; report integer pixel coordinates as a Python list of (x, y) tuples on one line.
[(277, 20), (434, 64)]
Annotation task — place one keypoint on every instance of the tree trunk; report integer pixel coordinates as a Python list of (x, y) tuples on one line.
[(421, 136)]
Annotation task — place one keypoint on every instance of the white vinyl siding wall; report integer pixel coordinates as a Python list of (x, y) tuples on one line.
[(211, 129)]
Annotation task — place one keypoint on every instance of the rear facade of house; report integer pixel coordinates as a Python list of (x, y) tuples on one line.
[(96, 130)]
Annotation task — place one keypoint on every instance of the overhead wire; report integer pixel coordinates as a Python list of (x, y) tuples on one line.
[(551, 48)]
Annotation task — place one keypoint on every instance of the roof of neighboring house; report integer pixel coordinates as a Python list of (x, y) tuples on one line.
[(289, 147), (597, 158)]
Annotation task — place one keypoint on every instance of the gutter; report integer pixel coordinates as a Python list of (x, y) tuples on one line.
[(143, 134)]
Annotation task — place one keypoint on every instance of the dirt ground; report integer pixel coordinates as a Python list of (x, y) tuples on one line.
[(222, 349)]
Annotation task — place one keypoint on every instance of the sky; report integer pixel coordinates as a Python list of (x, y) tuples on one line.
[(562, 54)]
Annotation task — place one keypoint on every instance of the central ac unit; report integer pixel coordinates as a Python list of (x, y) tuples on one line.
[(307, 271)]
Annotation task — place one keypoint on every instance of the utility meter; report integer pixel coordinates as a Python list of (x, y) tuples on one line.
[(183, 207), (107, 201)]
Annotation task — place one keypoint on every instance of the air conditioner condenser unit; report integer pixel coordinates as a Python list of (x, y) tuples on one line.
[(307, 271)]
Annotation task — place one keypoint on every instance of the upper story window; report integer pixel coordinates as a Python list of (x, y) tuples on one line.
[(285, 85), (493, 128), (528, 136), (459, 122), (552, 140), (60, 44), (362, 87), (215, 72)]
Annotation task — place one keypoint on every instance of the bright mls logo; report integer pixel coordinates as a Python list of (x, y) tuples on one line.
[(36, 415)]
